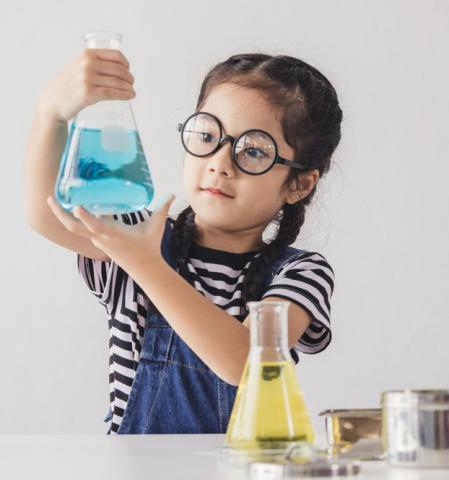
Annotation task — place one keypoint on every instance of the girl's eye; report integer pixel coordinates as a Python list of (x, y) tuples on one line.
[(205, 137), (255, 152)]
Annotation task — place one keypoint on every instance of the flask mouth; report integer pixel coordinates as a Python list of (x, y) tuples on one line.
[(267, 304), (103, 39), (269, 328)]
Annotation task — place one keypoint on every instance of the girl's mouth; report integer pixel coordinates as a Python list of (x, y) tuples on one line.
[(216, 192)]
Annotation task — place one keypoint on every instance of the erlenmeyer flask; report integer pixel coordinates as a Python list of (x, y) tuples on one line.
[(103, 167), (269, 410)]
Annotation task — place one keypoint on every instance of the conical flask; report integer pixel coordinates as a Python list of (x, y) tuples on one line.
[(103, 167), (269, 410)]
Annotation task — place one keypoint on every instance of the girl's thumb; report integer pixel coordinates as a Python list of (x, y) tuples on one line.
[(164, 203)]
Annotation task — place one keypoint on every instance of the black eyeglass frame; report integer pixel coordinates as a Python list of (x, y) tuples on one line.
[(224, 138)]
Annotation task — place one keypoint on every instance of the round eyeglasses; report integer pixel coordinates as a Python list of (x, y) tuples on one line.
[(254, 151)]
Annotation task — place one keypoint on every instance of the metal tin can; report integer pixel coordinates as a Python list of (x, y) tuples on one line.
[(347, 427), (415, 427)]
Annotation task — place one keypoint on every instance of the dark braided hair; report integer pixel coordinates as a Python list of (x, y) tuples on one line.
[(310, 120)]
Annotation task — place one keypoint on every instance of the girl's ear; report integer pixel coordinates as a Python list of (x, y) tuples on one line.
[(301, 186)]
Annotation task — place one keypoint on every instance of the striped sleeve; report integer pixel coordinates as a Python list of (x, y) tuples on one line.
[(307, 280), (100, 276)]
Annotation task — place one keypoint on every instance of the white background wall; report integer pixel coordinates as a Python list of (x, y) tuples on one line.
[(380, 217)]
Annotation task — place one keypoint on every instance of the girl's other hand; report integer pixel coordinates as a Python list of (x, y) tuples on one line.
[(95, 75), (133, 247)]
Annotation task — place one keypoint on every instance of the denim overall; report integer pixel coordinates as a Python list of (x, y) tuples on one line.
[(173, 390)]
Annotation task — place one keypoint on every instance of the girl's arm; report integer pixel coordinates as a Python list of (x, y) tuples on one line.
[(219, 339), (93, 76)]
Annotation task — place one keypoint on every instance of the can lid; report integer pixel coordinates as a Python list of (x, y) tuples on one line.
[(352, 412), (318, 468), (415, 398)]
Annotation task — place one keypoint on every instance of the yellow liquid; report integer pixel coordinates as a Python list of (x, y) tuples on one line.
[(269, 408)]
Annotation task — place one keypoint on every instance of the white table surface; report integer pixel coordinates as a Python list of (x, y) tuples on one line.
[(141, 457)]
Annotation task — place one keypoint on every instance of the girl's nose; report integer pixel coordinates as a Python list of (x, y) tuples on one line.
[(221, 161)]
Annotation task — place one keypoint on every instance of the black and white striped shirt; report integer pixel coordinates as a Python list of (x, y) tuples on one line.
[(307, 280)]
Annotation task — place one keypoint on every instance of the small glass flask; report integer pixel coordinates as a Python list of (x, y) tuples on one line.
[(103, 167), (269, 410)]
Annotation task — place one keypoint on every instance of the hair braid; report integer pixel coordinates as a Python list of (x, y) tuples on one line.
[(182, 235), (287, 232)]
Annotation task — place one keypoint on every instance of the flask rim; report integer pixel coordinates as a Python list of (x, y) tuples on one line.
[(262, 303), (103, 35)]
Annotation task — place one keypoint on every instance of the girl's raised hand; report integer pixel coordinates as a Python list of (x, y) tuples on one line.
[(96, 74), (131, 247)]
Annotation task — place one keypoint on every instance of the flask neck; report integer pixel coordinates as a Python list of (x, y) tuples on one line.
[(269, 331), (103, 40)]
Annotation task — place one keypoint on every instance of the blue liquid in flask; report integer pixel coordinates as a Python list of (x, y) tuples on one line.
[(104, 171)]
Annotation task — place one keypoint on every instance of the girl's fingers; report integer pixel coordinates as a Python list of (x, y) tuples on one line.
[(99, 226), (93, 224), (114, 70), (162, 206), (109, 54), (67, 220), (112, 82)]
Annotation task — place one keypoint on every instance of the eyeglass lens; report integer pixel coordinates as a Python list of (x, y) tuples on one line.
[(254, 151)]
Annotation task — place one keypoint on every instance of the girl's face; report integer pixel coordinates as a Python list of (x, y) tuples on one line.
[(256, 199)]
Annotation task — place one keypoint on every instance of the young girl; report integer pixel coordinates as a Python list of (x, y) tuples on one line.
[(175, 290)]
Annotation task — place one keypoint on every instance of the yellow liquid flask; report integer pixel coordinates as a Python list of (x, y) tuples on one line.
[(269, 410), (103, 167)]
